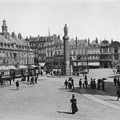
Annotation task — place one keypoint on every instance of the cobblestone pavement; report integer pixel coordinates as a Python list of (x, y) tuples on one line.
[(49, 100)]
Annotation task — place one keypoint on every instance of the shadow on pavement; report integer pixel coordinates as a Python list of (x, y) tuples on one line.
[(110, 90), (64, 112), (13, 89), (111, 100)]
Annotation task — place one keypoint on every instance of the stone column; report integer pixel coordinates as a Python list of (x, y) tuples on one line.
[(66, 51)]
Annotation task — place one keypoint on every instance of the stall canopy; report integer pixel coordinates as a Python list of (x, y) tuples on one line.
[(12, 67), (41, 64), (22, 67), (94, 64)]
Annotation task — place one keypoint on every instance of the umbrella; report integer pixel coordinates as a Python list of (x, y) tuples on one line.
[(104, 78)]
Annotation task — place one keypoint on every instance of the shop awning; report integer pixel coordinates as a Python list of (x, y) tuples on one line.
[(4, 68), (12, 67), (33, 66), (94, 64), (41, 64), (82, 64), (22, 67)]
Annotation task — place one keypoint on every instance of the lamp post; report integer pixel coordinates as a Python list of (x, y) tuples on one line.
[(27, 60), (27, 49), (87, 61)]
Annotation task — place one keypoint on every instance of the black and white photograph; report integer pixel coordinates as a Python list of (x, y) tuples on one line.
[(59, 59)]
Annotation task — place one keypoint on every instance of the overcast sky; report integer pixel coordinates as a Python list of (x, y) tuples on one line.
[(85, 18)]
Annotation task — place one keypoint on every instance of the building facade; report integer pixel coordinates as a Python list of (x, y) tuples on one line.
[(105, 54), (14, 50)]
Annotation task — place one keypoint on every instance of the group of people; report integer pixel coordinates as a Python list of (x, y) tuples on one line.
[(117, 84), (69, 83), (100, 84), (83, 84)]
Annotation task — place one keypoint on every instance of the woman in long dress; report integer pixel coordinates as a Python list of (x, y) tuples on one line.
[(73, 102)]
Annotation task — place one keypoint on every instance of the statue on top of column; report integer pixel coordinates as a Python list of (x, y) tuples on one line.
[(65, 30)]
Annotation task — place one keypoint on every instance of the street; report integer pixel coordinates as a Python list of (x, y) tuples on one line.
[(49, 100)]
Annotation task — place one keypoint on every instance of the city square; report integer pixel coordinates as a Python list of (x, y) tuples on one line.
[(49, 100), (59, 60)]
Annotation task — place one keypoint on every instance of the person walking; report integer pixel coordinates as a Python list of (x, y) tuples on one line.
[(118, 93), (36, 77), (73, 102), (115, 81), (17, 85), (85, 77), (80, 83), (66, 83), (32, 80), (103, 85), (72, 81), (86, 83), (98, 83)]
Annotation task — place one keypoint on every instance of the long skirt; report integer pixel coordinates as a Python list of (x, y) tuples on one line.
[(74, 108)]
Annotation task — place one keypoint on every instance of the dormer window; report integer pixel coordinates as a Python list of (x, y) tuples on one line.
[(2, 44)]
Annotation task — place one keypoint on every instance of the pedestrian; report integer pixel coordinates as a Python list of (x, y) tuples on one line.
[(36, 79), (32, 80), (103, 85), (86, 83), (115, 81), (85, 77), (73, 102), (98, 83), (94, 84), (13, 75), (66, 83), (72, 81), (118, 82), (17, 85), (80, 83), (69, 84), (91, 83), (118, 93)]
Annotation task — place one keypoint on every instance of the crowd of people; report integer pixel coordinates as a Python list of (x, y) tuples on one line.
[(100, 84)]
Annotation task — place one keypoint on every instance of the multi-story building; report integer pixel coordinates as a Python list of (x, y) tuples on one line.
[(82, 53), (115, 53), (46, 48), (14, 50), (93, 53), (105, 54)]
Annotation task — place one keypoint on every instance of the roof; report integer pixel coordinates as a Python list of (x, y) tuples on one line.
[(3, 39), (115, 44), (84, 41), (12, 40)]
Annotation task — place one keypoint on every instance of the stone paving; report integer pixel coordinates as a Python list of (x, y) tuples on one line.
[(49, 100)]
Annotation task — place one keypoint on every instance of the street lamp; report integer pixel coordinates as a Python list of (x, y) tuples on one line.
[(27, 49), (27, 60)]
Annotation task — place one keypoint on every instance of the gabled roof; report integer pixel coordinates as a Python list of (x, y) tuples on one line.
[(84, 41), (3, 39), (115, 44)]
